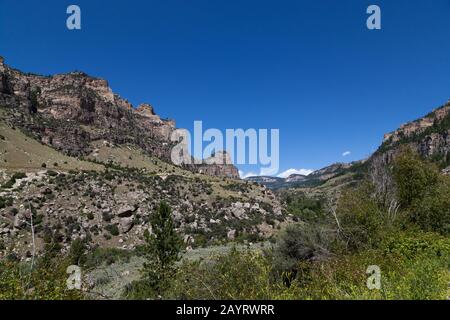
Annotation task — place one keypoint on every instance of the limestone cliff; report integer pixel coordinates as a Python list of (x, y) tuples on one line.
[(429, 136)]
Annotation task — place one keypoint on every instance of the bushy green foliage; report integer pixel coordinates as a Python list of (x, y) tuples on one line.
[(77, 252), (16, 176), (361, 219), (413, 177), (305, 208), (47, 280), (300, 242), (108, 256), (5, 202), (113, 229), (413, 266), (413, 244), (236, 275), (421, 277), (423, 193), (432, 211)]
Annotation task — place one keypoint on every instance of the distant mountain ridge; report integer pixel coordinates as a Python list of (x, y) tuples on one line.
[(316, 178), (429, 136)]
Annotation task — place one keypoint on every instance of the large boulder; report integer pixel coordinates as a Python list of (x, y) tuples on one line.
[(126, 224)]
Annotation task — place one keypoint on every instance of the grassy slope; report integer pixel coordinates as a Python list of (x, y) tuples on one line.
[(17, 151)]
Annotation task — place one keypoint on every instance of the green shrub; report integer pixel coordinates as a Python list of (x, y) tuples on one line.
[(107, 256), (16, 176), (423, 193), (423, 277), (5, 202), (113, 229), (413, 177), (77, 252), (236, 275), (432, 211), (47, 281), (420, 243), (300, 242), (362, 221), (52, 173)]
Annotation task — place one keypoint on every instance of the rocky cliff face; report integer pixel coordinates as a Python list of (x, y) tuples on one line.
[(429, 136), (218, 165), (71, 111), (418, 126)]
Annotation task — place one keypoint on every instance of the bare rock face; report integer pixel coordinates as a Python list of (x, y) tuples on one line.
[(70, 111), (147, 111), (418, 126), (2, 64), (218, 165), (429, 136)]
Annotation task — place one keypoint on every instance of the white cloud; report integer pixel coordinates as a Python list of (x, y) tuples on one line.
[(289, 172), (266, 172), (346, 153)]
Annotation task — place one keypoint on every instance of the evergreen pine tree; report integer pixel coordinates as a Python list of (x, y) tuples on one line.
[(162, 250)]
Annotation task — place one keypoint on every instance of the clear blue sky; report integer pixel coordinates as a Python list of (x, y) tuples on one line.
[(310, 68)]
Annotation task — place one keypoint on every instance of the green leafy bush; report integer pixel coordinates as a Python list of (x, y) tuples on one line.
[(47, 280), (107, 256), (113, 229), (413, 177), (300, 242), (236, 275), (361, 219), (432, 211), (423, 193)]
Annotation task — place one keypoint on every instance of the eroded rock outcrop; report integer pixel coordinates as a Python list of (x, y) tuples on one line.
[(429, 136)]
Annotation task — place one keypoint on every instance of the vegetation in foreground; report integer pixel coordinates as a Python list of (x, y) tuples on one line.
[(323, 256)]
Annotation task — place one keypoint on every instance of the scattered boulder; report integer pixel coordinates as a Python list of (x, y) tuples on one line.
[(231, 234), (126, 211), (126, 224)]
